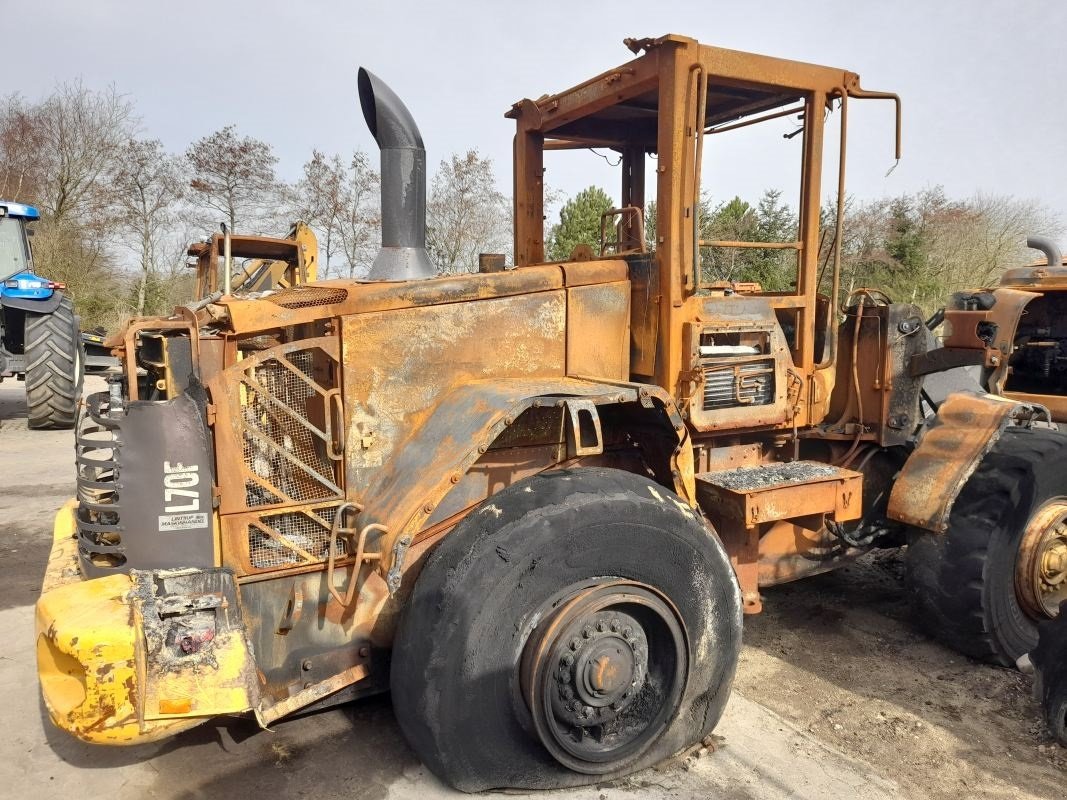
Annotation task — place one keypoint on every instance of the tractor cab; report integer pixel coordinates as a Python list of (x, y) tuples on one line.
[(19, 282)]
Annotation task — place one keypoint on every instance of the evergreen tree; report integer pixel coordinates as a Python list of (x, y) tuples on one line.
[(579, 223)]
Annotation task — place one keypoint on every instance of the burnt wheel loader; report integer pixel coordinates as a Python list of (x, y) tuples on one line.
[(534, 503)]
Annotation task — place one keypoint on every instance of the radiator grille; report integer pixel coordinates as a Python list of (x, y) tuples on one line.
[(737, 385), (284, 451), (292, 537)]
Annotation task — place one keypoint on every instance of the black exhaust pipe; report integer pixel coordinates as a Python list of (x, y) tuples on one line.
[(403, 254), (1048, 247)]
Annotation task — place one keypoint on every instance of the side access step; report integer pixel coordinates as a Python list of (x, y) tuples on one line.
[(747, 502)]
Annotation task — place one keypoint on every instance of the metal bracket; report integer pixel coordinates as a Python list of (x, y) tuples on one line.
[(584, 434), (400, 549)]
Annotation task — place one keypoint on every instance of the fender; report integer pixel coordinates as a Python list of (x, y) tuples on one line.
[(405, 496), (45, 306), (966, 427)]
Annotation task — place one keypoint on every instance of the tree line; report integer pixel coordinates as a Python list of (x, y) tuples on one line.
[(119, 210), (918, 248)]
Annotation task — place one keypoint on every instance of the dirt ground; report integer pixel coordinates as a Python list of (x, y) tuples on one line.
[(852, 688)]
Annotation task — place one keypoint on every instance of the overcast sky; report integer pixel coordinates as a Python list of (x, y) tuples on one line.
[(982, 82)]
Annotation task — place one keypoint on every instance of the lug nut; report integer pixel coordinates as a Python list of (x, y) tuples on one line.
[(615, 625), (587, 632), (306, 665), (567, 659)]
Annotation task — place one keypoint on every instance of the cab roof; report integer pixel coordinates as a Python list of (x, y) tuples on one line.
[(9, 208)]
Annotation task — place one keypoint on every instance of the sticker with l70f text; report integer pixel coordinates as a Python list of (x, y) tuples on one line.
[(182, 522)]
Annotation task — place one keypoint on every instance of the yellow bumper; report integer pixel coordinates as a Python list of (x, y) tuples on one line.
[(97, 682)]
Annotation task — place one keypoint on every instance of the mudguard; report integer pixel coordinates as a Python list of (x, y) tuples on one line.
[(403, 497), (43, 306), (966, 427)]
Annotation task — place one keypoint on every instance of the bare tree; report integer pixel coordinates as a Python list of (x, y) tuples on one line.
[(359, 218), (82, 132), (233, 175), (148, 185), (339, 202), (22, 150), (467, 214)]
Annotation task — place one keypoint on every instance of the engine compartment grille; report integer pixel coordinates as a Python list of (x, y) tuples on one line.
[(734, 384), (292, 537), (284, 431)]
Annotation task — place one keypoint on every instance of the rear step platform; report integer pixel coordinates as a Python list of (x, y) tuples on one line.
[(745, 502)]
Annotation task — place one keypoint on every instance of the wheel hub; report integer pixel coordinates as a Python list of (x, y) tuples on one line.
[(603, 672), (1041, 572), (603, 658)]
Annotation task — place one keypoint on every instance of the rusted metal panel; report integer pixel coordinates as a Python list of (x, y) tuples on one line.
[(992, 331), (353, 297), (429, 352), (644, 315), (762, 494), (747, 503), (789, 551), (727, 390), (965, 429), (598, 331), (876, 395), (584, 273), (404, 492)]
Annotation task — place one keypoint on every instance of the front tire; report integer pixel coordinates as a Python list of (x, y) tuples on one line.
[(54, 367), (975, 585), (578, 626)]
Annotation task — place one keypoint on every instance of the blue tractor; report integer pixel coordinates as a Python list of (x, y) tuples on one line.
[(40, 341)]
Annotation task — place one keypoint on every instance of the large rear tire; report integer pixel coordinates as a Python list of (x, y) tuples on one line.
[(976, 585), (54, 367), (578, 626)]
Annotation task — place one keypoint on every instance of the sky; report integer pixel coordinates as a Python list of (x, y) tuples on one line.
[(982, 82)]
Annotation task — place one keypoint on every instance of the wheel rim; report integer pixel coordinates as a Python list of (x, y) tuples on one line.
[(1041, 569), (603, 673)]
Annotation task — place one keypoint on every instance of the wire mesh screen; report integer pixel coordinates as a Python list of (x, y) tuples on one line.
[(284, 444), (292, 537)]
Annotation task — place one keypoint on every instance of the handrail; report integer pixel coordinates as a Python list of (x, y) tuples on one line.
[(752, 245), (698, 156), (829, 358), (642, 246)]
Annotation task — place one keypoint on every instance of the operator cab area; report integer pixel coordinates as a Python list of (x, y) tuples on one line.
[(739, 326)]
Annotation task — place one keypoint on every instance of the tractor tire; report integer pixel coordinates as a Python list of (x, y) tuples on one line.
[(1050, 666), (966, 581), (578, 626), (54, 367)]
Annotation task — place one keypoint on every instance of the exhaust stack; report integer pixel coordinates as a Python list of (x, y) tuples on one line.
[(1048, 247), (403, 254)]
